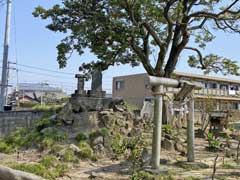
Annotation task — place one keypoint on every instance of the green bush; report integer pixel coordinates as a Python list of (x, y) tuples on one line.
[(167, 128), (56, 148), (81, 137), (47, 142), (43, 123), (5, 148), (143, 175), (118, 144), (213, 143), (69, 156), (39, 107), (49, 172), (86, 151), (129, 106), (48, 161), (104, 132), (55, 134), (37, 169)]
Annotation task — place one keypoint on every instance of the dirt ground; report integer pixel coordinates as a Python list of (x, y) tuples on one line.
[(106, 169)]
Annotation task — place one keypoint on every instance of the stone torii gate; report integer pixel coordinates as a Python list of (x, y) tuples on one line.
[(158, 84)]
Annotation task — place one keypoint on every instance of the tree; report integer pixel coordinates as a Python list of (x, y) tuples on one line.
[(149, 32)]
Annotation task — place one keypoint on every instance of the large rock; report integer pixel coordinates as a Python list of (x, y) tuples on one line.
[(74, 148), (97, 140), (167, 144), (11, 174)]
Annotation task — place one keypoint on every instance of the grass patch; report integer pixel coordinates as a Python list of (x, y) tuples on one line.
[(228, 166), (143, 175), (48, 161), (86, 151), (40, 170), (81, 137), (69, 156), (191, 178), (56, 149), (189, 166), (41, 135), (39, 107)]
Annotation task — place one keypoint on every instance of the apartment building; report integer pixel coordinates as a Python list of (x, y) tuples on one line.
[(224, 93)]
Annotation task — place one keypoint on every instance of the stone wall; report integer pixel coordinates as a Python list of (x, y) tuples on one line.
[(11, 120)]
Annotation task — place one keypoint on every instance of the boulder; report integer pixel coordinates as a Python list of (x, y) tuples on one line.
[(167, 144), (74, 148), (11, 174), (180, 148), (97, 140)]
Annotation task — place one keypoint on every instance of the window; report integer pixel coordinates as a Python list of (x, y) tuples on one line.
[(213, 85), (234, 87), (224, 87), (119, 84), (234, 105)]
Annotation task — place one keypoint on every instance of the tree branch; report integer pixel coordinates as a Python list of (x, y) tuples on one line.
[(199, 55)]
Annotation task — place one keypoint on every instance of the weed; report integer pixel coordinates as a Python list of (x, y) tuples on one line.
[(69, 156), (81, 137), (56, 148), (167, 128), (213, 142), (43, 123), (191, 178), (86, 151), (188, 166), (48, 161)]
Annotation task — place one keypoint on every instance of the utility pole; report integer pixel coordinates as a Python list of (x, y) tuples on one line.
[(4, 82)]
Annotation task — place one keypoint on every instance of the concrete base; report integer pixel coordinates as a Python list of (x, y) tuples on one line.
[(82, 104)]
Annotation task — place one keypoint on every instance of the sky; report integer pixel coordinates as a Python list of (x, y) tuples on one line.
[(31, 44)]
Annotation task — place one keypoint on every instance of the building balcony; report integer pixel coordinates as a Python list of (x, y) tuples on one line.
[(211, 92)]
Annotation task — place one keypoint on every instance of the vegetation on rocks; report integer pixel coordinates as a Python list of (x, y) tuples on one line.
[(213, 142), (48, 172)]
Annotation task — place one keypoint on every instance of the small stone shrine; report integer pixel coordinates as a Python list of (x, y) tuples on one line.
[(94, 99)]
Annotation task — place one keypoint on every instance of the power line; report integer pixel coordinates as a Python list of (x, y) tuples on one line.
[(43, 74), (42, 69)]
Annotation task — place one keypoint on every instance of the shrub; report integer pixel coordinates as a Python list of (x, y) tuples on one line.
[(42, 170), (167, 128), (56, 148), (55, 134), (86, 151), (129, 106), (5, 148), (43, 123), (69, 156), (81, 137), (39, 107), (61, 169), (48, 161), (118, 144), (213, 142), (143, 175), (37, 169), (47, 142), (104, 132)]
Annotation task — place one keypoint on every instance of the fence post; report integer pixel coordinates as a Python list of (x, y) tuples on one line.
[(157, 129), (190, 130)]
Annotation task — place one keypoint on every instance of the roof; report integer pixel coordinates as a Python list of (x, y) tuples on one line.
[(191, 75), (199, 76), (38, 87)]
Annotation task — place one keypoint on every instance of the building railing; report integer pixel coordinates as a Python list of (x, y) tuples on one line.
[(208, 92)]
